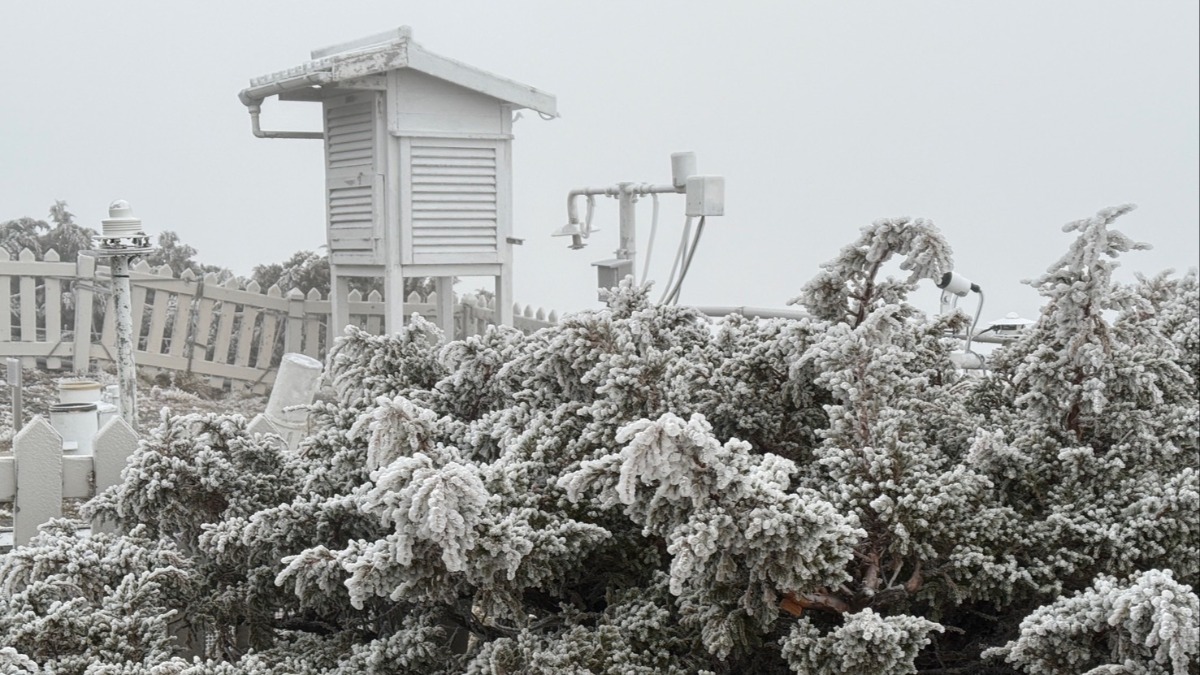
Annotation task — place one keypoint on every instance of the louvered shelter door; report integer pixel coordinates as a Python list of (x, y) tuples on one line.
[(453, 195), (353, 216), (354, 186)]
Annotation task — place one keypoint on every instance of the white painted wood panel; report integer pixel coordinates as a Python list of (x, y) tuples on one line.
[(28, 305), (421, 103), (53, 311), (452, 194), (85, 281)]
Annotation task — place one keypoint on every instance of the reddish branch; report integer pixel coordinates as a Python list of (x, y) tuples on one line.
[(795, 604)]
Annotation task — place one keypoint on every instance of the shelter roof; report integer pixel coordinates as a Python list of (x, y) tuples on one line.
[(359, 60)]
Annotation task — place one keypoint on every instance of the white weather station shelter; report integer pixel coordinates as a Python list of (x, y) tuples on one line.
[(418, 168)]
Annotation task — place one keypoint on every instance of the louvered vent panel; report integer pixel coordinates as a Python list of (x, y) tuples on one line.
[(350, 206), (352, 219), (453, 199), (349, 133), (353, 185)]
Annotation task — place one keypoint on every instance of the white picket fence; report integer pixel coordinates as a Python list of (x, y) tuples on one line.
[(61, 317), (37, 477)]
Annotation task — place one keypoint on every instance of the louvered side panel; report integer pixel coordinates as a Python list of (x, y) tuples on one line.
[(350, 135), (354, 186), (454, 207)]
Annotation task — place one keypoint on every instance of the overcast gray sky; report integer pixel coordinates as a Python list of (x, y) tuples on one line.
[(1000, 121)]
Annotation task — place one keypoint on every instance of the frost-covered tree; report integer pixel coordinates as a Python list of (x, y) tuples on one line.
[(847, 288), (1146, 625), (308, 270), (1098, 406), (640, 490), (65, 237), (68, 601)]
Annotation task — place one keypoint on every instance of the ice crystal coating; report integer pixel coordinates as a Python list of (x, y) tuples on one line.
[(642, 490), (1146, 624)]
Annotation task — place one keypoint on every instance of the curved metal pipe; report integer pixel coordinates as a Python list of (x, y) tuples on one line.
[(253, 97), (257, 130)]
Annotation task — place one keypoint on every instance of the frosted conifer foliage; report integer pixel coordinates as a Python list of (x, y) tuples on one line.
[(640, 490), (866, 644), (1098, 403), (738, 537), (66, 600), (846, 288), (1146, 624)]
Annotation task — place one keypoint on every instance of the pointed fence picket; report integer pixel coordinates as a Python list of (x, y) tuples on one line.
[(202, 338), (31, 326), (245, 336), (181, 319), (199, 324), (314, 325), (37, 477), (158, 312), (53, 311), (84, 286), (225, 318), (28, 290)]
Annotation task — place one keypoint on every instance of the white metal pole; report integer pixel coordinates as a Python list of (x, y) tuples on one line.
[(126, 370), (628, 250)]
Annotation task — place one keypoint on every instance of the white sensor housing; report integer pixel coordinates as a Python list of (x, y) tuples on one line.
[(609, 273), (683, 166), (705, 196)]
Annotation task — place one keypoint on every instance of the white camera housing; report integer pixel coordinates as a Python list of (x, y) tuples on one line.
[(955, 283)]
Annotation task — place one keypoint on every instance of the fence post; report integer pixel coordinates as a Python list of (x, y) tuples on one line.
[(38, 455), (84, 285), (114, 444)]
